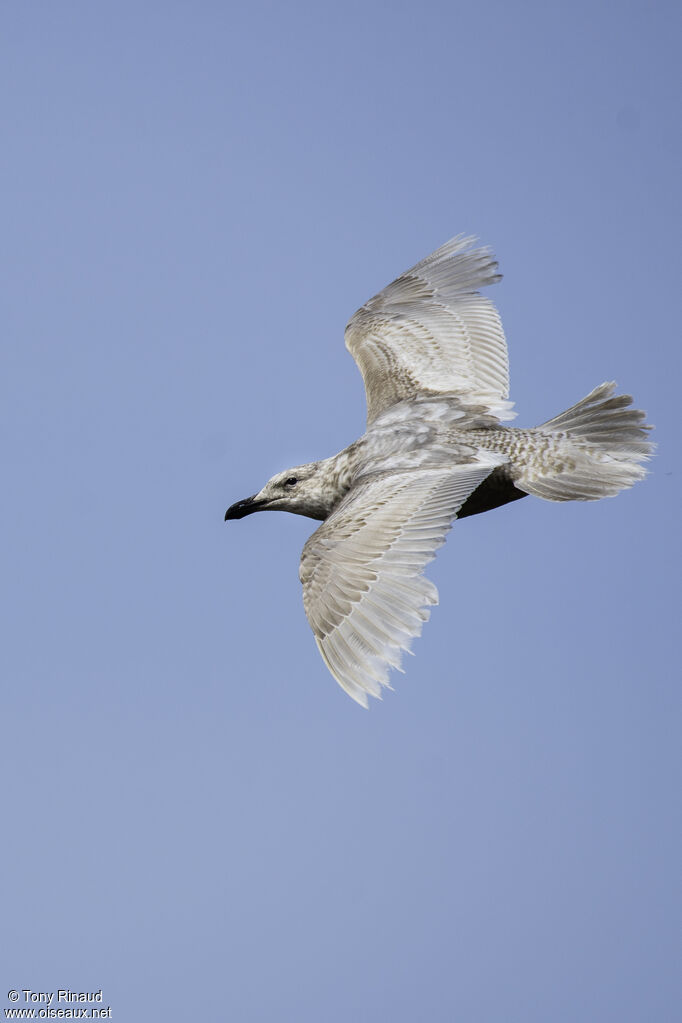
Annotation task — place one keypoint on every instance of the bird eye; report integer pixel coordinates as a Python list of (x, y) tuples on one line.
[(291, 482)]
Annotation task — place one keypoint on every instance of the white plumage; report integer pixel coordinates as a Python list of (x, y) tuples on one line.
[(430, 330), (363, 589), (433, 357)]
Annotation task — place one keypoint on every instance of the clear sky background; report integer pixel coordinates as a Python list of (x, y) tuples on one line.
[(196, 819)]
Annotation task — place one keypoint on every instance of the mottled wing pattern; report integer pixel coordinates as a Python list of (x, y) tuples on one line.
[(363, 589), (431, 331)]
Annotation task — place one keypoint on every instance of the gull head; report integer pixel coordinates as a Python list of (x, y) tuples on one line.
[(304, 490)]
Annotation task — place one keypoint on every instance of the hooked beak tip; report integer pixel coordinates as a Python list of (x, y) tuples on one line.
[(242, 508)]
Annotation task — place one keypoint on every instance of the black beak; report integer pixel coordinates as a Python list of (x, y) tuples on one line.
[(242, 508)]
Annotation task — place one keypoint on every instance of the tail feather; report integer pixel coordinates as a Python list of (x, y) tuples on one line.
[(592, 450)]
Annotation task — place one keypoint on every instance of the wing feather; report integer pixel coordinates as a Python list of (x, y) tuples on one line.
[(430, 331), (363, 589)]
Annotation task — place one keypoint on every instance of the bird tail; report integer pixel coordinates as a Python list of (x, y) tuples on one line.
[(594, 449)]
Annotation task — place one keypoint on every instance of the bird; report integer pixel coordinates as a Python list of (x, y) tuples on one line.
[(433, 356)]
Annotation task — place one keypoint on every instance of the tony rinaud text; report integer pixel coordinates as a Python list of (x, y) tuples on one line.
[(62, 995)]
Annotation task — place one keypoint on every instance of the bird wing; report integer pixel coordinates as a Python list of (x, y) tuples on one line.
[(431, 331), (363, 589)]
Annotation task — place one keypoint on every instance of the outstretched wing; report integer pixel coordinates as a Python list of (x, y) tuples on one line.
[(431, 331), (363, 589)]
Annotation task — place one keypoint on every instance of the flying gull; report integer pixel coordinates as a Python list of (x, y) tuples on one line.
[(433, 357)]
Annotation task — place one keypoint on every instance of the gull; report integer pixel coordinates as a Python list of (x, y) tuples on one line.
[(433, 357)]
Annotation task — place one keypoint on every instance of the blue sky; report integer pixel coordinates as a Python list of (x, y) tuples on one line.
[(198, 821)]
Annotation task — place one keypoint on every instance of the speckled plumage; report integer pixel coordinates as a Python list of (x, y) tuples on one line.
[(433, 357)]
